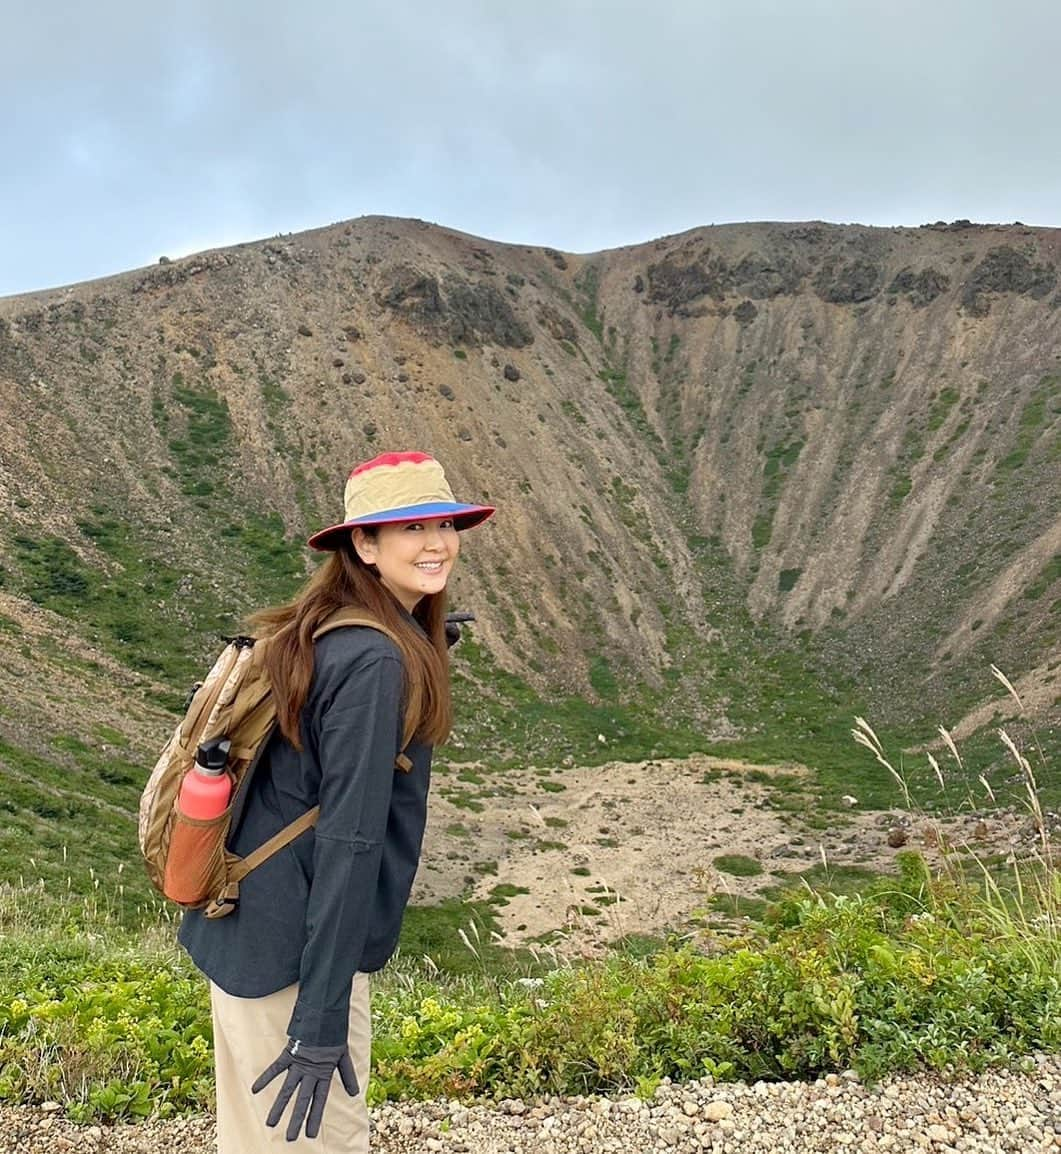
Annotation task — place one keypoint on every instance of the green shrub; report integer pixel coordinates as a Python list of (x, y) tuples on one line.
[(851, 984), (914, 973)]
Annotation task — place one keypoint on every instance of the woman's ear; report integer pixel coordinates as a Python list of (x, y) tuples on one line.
[(364, 545)]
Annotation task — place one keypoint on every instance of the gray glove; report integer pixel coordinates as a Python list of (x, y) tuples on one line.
[(309, 1071)]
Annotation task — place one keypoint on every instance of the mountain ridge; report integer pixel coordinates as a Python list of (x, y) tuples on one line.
[(724, 431)]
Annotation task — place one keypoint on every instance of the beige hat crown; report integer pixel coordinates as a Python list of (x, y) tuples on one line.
[(398, 487)]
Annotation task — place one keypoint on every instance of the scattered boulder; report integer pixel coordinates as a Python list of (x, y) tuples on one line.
[(745, 313), (639, 283), (370, 429), (347, 378), (464, 433), (556, 257), (305, 331), (897, 837), (511, 373), (954, 226), (447, 392), (359, 378), (337, 362)]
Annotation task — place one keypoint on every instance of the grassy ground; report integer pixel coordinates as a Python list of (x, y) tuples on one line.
[(910, 971)]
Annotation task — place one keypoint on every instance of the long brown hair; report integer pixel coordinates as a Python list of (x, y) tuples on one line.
[(345, 580)]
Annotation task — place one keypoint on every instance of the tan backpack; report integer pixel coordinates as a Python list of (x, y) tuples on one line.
[(234, 702)]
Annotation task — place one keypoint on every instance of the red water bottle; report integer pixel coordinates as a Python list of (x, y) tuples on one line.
[(197, 839), (206, 788)]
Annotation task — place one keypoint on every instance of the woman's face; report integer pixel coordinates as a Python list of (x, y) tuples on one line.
[(414, 558)]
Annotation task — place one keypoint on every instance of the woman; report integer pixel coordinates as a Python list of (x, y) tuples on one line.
[(288, 970)]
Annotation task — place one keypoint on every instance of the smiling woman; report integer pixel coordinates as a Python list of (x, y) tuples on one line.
[(289, 967)]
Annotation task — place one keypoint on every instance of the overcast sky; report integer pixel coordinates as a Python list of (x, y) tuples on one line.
[(133, 129)]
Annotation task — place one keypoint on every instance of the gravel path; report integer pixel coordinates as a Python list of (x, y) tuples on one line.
[(999, 1112)]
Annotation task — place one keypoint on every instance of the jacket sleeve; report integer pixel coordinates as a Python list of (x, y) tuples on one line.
[(359, 738)]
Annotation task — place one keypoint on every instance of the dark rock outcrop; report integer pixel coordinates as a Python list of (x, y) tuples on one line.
[(759, 276), (1005, 270), (460, 311), (558, 326), (920, 288), (847, 280)]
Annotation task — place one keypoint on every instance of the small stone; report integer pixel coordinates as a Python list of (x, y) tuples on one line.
[(938, 1133), (511, 373), (897, 837), (690, 1107), (718, 1109)]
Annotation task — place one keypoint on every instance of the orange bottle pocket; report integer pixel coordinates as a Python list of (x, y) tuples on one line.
[(195, 863)]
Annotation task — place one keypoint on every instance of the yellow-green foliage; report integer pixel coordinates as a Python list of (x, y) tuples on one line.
[(913, 973)]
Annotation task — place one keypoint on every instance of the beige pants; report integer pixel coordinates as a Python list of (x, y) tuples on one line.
[(249, 1034)]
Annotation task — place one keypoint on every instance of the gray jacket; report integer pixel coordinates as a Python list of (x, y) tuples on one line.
[(331, 903)]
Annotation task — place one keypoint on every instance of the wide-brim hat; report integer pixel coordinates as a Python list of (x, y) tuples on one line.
[(398, 487)]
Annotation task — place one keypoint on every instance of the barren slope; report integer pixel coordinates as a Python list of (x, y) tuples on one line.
[(750, 478)]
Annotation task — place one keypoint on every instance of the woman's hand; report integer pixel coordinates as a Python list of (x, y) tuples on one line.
[(309, 1071)]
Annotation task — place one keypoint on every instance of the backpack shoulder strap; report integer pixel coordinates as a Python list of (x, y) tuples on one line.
[(348, 616), (240, 867)]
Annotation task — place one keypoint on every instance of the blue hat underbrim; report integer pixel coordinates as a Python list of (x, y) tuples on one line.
[(464, 517)]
